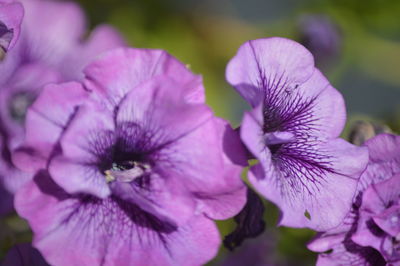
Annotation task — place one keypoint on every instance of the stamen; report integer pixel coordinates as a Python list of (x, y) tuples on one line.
[(126, 172), (109, 176)]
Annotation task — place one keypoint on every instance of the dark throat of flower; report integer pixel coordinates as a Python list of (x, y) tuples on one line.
[(126, 171), (125, 164)]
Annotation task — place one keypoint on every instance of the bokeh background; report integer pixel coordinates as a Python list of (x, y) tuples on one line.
[(356, 44)]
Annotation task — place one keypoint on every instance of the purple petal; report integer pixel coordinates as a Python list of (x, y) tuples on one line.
[(11, 15), (119, 71), (324, 194), (18, 94), (45, 123), (260, 64), (109, 231), (211, 175), (384, 160), (380, 203), (153, 105), (384, 147), (327, 111), (51, 29), (72, 170)]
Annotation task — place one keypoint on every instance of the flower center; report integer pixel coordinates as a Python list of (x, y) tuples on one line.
[(126, 171), (19, 105)]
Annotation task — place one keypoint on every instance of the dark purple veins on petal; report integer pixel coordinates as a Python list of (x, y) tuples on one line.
[(285, 109), (128, 154), (109, 216)]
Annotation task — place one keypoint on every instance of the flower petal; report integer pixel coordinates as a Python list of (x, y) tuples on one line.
[(51, 34), (109, 231), (45, 123), (309, 195), (118, 72), (76, 170), (11, 15), (262, 63), (165, 114)]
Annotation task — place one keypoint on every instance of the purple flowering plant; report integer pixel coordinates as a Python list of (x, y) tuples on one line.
[(130, 166), (369, 234), (113, 157), (293, 130)]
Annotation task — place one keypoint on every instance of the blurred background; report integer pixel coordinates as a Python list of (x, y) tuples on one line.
[(356, 45)]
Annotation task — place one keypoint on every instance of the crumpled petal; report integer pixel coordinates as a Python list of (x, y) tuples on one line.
[(379, 217)]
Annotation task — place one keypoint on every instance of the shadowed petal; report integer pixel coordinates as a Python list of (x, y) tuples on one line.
[(24, 255)]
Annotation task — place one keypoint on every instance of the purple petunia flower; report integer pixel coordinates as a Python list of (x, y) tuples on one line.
[(293, 131), (50, 49), (11, 14), (368, 234), (131, 166), (379, 223)]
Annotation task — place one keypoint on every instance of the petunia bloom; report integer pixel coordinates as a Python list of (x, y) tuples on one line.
[(369, 233), (50, 49), (11, 14), (379, 223), (131, 166), (293, 130)]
